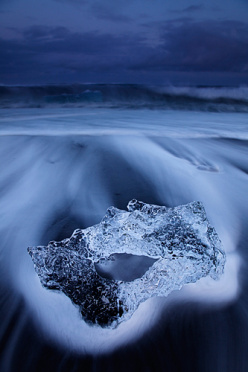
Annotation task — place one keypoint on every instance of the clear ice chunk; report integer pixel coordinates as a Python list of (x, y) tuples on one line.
[(180, 242)]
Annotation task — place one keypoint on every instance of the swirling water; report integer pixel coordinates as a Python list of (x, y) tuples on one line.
[(61, 168)]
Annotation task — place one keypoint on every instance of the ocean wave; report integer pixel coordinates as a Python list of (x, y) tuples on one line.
[(213, 99)]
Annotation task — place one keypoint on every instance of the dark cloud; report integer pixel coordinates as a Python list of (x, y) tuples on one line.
[(42, 54), (189, 9), (160, 26), (202, 46), (106, 13), (42, 34), (215, 8), (193, 8), (79, 2), (46, 53)]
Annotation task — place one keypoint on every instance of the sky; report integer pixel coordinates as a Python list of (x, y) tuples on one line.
[(124, 41)]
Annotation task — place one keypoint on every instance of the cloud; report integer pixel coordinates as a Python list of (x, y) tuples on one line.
[(189, 9), (42, 34), (79, 2), (107, 13), (200, 46), (42, 53), (193, 8)]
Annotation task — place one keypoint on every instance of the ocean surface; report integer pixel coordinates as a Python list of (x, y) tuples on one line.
[(67, 153)]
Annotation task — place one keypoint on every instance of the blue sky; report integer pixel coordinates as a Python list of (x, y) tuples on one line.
[(124, 41)]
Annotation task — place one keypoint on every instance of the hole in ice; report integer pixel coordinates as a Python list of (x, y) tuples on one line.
[(123, 266)]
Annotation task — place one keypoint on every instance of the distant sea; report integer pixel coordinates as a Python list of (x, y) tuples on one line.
[(69, 152), (204, 98)]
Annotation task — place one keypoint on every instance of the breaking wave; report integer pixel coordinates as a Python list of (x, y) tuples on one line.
[(213, 99)]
